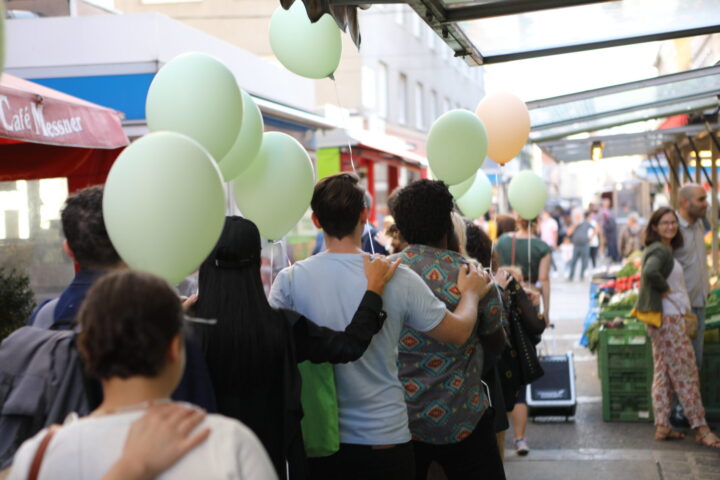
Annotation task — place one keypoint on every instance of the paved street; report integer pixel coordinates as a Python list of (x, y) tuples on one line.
[(588, 446)]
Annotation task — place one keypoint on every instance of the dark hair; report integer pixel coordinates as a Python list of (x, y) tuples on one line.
[(337, 201), (505, 224), (651, 236), (479, 245), (422, 211), (84, 229), (128, 320), (243, 348)]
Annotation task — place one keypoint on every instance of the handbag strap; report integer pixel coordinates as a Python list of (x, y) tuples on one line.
[(40, 453), (512, 255)]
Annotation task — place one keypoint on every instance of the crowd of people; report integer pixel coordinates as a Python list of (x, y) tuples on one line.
[(354, 366), (422, 359)]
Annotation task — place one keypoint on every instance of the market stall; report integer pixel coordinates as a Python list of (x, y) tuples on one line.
[(48, 134)]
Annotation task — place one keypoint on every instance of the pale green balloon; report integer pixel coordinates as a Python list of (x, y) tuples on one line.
[(527, 194), (477, 200), (456, 146), (197, 95), (308, 49), (275, 191), (164, 205), (247, 144), (461, 188)]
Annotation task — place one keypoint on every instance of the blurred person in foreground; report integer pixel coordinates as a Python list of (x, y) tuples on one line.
[(663, 304), (451, 421), (136, 349)]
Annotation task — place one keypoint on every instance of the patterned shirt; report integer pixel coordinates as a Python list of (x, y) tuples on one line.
[(443, 390)]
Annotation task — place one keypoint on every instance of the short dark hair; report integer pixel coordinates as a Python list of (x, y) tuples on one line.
[(128, 320), (651, 236), (84, 229), (479, 245), (337, 202), (422, 211), (505, 224)]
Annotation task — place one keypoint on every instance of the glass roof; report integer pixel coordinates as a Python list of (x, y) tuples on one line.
[(642, 143), (593, 110), (485, 31)]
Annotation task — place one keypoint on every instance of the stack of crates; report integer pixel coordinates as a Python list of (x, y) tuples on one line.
[(626, 373)]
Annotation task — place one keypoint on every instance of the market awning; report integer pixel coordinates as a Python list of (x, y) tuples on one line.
[(386, 146), (641, 143), (492, 31), (659, 97), (36, 114), (48, 134)]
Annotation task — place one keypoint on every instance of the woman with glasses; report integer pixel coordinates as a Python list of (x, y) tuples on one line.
[(663, 303)]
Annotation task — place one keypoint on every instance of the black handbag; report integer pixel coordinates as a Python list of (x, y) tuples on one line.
[(519, 364)]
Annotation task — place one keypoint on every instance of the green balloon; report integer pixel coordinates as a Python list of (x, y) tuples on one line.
[(275, 191), (308, 49), (247, 144), (456, 146), (459, 190), (196, 95), (527, 194), (477, 200), (164, 205)]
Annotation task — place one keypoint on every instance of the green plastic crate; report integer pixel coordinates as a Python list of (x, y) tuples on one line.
[(626, 372), (629, 407)]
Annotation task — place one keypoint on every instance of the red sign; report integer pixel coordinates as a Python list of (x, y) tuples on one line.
[(35, 114)]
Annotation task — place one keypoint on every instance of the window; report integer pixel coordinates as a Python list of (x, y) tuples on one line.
[(432, 107), (419, 106), (382, 89), (402, 99), (369, 87), (416, 24), (446, 105), (430, 35), (400, 14)]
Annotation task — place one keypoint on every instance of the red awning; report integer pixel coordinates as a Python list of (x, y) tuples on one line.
[(33, 113), (48, 134)]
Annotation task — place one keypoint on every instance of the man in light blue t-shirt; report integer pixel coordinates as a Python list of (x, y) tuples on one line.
[(328, 287)]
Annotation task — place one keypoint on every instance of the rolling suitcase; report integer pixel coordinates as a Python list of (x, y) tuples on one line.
[(553, 395)]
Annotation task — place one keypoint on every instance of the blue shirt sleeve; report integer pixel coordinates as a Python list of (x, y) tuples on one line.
[(280, 294)]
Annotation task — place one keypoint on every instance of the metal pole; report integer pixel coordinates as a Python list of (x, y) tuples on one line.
[(674, 179), (698, 162), (688, 177)]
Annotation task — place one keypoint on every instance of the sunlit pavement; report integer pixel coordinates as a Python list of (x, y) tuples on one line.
[(588, 447)]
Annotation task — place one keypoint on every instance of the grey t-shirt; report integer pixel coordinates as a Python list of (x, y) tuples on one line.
[(692, 257), (581, 235), (327, 288)]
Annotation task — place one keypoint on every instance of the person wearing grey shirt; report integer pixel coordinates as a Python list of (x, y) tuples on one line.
[(693, 204)]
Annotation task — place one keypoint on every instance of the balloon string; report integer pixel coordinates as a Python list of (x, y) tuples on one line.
[(352, 163), (530, 235)]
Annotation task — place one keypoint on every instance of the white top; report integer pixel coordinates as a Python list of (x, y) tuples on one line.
[(327, 288), (676, 302), (87, 448)]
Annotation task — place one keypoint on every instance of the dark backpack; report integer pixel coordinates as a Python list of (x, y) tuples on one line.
[(41, 381)]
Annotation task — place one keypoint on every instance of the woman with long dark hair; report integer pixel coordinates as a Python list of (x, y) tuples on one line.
[(663, 303), (253, 350)]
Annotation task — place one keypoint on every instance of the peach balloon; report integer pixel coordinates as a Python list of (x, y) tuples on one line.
[(507, 122)]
